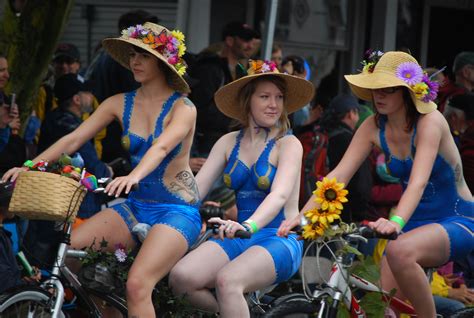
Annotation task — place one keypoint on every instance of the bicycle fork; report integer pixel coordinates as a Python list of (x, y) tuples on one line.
[(54, 281)]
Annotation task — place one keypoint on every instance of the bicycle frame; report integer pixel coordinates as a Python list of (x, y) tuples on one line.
[(59, 269), (339, 289)]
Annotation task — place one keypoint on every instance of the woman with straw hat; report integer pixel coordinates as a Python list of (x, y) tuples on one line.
[(436, 210), (261, 163), (158, 127)]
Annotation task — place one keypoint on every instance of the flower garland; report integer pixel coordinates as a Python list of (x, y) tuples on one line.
[(412, 74), (259, 67), (169, 45), (371, 58), (330, 195)]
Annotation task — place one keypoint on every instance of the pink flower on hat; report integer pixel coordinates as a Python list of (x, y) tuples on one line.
[(409, 72)]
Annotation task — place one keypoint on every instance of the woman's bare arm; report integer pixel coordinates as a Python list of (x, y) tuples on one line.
[(214, 165), (70, 143)]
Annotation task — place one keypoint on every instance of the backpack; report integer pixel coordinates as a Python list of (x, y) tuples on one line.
[(315, 165)]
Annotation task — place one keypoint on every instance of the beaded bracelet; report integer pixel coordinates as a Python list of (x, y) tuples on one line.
[(399, 220), (253, 225)]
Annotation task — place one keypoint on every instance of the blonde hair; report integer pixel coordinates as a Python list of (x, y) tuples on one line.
[(248, 90)]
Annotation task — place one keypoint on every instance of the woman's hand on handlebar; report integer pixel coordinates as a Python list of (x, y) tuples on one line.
[(384, 226), (12, 174), (119, 184), (287, 225), (227, 228)]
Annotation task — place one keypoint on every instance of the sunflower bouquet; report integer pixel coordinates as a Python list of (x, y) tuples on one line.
[(330, 195)]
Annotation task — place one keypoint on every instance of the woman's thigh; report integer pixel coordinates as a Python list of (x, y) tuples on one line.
[(106, 225), (202, 265), (254, 269), (428, 245), (163, 247)]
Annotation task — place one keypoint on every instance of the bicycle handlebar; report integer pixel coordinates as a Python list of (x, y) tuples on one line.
[(214, 227), (367, 232)]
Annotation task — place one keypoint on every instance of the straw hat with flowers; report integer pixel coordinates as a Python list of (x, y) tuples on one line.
[(299, 91), (167, 46), (392, 69)]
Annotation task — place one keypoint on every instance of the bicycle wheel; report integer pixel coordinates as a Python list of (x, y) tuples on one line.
[(463, 313), (293, 305), (26, 302)]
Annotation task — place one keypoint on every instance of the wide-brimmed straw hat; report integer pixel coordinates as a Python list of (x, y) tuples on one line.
[(391, 69), (299, 91), (167, 46)]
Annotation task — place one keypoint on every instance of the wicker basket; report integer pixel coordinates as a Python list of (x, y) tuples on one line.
[(46, 196)]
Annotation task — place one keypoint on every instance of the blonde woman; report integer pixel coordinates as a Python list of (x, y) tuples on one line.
[(436, 210), (261, 163), (158, 127)]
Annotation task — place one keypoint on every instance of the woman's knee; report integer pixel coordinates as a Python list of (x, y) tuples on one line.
[(400, 252), (138, 287), (228, 282)]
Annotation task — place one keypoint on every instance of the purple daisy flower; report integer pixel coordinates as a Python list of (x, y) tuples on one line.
[(409, 72), (121, 255), (433, 88)]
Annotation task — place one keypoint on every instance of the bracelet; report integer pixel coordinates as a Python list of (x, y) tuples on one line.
[(253, 225), (399, 220)]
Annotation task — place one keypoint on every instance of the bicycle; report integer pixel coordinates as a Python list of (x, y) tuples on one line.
[(47, 299), (325, 302)]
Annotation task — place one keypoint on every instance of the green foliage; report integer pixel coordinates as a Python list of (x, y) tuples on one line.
[(367, 269), (373, 305), (165, 303), (29, 40)]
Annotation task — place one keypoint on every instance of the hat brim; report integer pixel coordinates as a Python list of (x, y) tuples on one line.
[(299, 93), (363, 84), (118, 48)]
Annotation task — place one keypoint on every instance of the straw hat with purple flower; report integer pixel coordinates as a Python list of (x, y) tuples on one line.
[(393, 69)]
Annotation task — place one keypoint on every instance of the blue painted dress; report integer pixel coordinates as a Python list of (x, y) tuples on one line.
[(251, 186), (153, 203), (440, 202)]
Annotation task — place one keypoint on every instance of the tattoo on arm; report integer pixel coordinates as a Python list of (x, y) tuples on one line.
[(188, 102), (458, 173), (185, 182)]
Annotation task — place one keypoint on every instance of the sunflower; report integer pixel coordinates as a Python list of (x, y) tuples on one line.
[(324, 217), (313, 231), (330, 194)]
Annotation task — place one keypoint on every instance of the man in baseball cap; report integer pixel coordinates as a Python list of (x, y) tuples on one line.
[(66, 59)]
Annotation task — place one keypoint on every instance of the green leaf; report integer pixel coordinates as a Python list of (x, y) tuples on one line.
[(349, 249), (240, 71), (343, 312), (103, 243), (368, 270), (373, 305)]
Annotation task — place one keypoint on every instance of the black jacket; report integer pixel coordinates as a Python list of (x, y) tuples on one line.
[(361, 183), (211, 72)]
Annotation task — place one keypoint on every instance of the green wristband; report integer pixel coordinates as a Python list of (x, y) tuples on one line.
[(253, 225), (397, 219)]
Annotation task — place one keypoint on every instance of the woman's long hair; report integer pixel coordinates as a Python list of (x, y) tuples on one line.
[(247, 91)]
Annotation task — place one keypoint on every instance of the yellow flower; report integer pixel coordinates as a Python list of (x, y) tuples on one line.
[(178, 35), (420, 89), (324, 217), (181, 49), (313, 231), (330, 194), (180, 68)]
